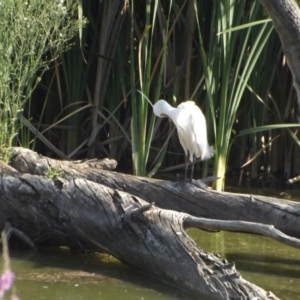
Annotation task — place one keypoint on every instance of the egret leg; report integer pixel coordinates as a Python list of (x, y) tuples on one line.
[(186, 167), (192, 170)]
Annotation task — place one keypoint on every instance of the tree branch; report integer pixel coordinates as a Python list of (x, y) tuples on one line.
[(241, 226), (285, 15)]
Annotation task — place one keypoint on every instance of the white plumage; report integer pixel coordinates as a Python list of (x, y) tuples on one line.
[(191, 127)]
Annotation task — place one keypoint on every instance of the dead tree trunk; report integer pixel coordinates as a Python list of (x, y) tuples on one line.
[(85, 215), (93, 209), (187, 198)]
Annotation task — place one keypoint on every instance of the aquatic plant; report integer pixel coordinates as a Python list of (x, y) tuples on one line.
[(232, 57), (7, 278)]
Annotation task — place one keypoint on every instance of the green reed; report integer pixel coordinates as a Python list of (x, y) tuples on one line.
[(231, 58)]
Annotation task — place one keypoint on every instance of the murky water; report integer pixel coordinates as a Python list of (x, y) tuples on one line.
[(59, 274), (54, 274), (260, 260)]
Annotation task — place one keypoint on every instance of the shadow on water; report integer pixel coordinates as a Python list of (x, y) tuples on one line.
[(59, 274), (265, 262), (252, 258)]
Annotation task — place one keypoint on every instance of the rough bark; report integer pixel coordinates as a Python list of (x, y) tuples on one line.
[(285, 15), (85, 215), (152, 240), (187, 198)]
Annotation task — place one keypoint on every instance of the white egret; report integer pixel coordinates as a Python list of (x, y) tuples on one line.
[(191, 127)]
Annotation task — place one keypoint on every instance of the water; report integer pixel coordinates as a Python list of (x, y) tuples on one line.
[(271, 265), (53, 274)]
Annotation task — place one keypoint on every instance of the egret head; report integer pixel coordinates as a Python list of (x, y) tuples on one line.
[(161, 108), (186, 104)]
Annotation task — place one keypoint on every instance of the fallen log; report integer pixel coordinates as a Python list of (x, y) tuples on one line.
[(86, 215), (282, 214)]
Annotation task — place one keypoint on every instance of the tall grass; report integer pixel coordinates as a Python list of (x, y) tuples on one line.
[(148, 74), (268, 132), (86, 74), (232, 57), (33, 35), (217, 53)]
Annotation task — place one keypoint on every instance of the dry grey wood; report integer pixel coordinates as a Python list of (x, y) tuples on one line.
[(250, 227), (285, 15), (18, 157), (283, 215), (85, 215), (9, 231), (24, 158)]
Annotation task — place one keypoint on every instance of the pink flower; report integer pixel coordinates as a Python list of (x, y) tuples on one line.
[(14, 297), (6, 280)]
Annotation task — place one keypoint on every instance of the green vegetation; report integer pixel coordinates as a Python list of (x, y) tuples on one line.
[(52, 173), (224, 55), (150, 72), (33, 34), (232, 59)]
